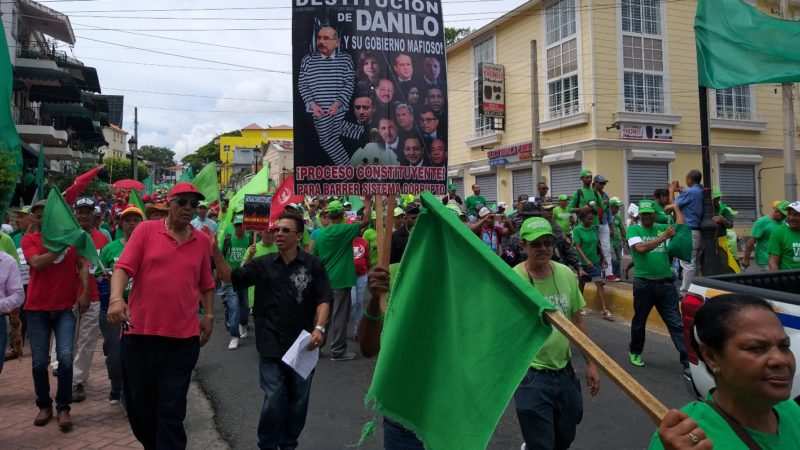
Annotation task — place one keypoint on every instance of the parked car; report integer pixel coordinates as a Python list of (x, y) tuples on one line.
[(780, 289)]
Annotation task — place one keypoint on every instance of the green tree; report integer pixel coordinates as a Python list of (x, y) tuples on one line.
[(120, 169), (162, 156), (207, 153), (452, 34)]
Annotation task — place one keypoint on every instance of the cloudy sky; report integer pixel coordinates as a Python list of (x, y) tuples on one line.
[(243, 78)]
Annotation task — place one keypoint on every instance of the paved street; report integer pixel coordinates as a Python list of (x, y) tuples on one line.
[(611, 421)]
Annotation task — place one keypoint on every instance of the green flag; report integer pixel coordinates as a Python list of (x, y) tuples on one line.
[(187, 174), (206, 182), (737, 45), (10, 143), (259, 184), (148, 185), (454, 347), (135, 200), (60, 230)]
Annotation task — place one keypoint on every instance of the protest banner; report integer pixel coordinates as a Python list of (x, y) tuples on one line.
[(370, 92), (256, 212)]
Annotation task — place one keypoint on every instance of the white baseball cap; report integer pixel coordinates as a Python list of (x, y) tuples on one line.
[(795, 206)]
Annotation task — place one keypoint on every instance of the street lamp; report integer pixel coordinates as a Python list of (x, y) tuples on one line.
[(132, 146)]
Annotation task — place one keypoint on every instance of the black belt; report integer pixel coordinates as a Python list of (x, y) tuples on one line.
[(659, 280)]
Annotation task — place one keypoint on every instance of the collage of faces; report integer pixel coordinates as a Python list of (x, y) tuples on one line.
[(400, 101)]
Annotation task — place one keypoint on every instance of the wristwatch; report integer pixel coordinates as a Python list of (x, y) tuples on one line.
[(320, 328)]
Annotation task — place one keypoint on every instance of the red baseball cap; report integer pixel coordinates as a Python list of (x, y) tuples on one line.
[(184, 187)]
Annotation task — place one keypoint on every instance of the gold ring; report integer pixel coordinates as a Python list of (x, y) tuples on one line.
[(693, 437)]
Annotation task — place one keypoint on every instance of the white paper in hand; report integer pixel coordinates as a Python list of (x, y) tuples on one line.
[(299, 358)]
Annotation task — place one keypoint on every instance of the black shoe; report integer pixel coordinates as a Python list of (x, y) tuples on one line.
[(348, 356), (78, 393)]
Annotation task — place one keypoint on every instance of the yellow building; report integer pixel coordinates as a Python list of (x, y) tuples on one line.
[(617, 90), (117, 140), (242, 153)]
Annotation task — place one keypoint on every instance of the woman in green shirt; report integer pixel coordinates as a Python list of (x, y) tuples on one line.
[(587, 242), (745, 348)]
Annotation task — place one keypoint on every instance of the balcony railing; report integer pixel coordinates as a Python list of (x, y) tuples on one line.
[(39, 50), (32, 115)]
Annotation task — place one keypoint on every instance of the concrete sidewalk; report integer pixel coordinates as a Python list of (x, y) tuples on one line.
[(619, 299), (98, 424)]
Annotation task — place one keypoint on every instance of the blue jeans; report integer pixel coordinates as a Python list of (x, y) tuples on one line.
[(358, 298), (236, 307), (40, 326), (112, 340), (395, 437), (283, 414), (662, 295), (3, 340), (549, 408)]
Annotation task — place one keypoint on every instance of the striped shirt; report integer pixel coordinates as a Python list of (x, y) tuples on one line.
[(324, 80)]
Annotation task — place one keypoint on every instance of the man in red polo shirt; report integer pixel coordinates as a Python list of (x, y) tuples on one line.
[(56, 280), (170, 263), (89, 321)]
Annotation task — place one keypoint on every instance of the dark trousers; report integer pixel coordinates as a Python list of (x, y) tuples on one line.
[(549, 408), (395, 437), (156, 373), (340, 318), (662, 295), (111, 349), (283, 414), (41, 325)]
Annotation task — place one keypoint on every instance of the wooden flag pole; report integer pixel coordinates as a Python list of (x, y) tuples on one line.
[(385, 227), (377, 204), (652, 406)]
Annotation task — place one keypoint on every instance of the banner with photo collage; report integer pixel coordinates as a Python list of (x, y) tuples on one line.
[(370, 97)]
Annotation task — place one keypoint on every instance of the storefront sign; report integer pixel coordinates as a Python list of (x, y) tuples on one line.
[(661, 133), (493, 90), (510, 154)]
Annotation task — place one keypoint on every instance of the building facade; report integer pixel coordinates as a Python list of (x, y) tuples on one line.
[(279, 157), (240, 154), (617, 91), (117, 140)]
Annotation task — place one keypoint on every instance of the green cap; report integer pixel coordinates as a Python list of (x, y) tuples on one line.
[(615, 201), (203, 204), (334, 207), (716, 193), (586, 173), (783, 207), (451, 187), (534, 228), (647, 206), (238, 220), (398, 211), (563, 197)]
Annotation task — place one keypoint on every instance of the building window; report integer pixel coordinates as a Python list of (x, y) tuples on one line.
[(482, 53), (562, 60), (643, 56), (738, 185), (734, 103)]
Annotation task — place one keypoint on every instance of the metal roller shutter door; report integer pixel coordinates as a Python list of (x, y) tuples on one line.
[(459, 182), (644, 177), (738, 185), (488, 185), (565, 178), (522, 183)]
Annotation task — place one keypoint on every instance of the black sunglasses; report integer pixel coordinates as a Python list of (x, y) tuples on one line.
[(541, 243), (283, 230), (183, 201)]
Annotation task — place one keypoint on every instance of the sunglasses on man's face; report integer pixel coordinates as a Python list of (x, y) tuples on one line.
[(183, 202), (541, 243), (283, 230)]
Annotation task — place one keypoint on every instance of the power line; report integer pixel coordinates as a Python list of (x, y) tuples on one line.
[(183, 94), (170, 66)]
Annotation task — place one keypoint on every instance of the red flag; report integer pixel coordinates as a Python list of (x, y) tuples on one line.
[(283, 196), (80, 184)]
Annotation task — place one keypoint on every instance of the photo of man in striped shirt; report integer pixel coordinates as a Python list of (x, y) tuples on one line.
[(325, 83)]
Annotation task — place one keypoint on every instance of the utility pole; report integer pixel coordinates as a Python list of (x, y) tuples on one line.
[(789, 132), (135, 143), (537, 148)]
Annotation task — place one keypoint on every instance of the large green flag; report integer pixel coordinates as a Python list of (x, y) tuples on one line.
[(206, 182), (460, 333), (259, 184), (135, 200), (187, 174), (737, 44), (10, 143), (60, 229), (148, 185)]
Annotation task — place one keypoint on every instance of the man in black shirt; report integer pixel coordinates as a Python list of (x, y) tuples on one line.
[(400, 236), (292, 294)]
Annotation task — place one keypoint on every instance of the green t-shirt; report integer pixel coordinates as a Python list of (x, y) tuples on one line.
[(473, 201), (655, 264), (562, 217), (616, 231), (661, 215), (236, 249), (7, 245), (762, 230), (265, 249), (583, 197), (785, 243), (371, 236), (334, 247), (562, 290), (723, 436), (17, 238), (109, 255), (588, 239)]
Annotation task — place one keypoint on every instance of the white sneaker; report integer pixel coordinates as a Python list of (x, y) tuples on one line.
[(243, 332), (234, 344), (523, 447)]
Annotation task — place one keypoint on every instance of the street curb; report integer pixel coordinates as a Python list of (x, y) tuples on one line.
[(619, 299), (201, 428)]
